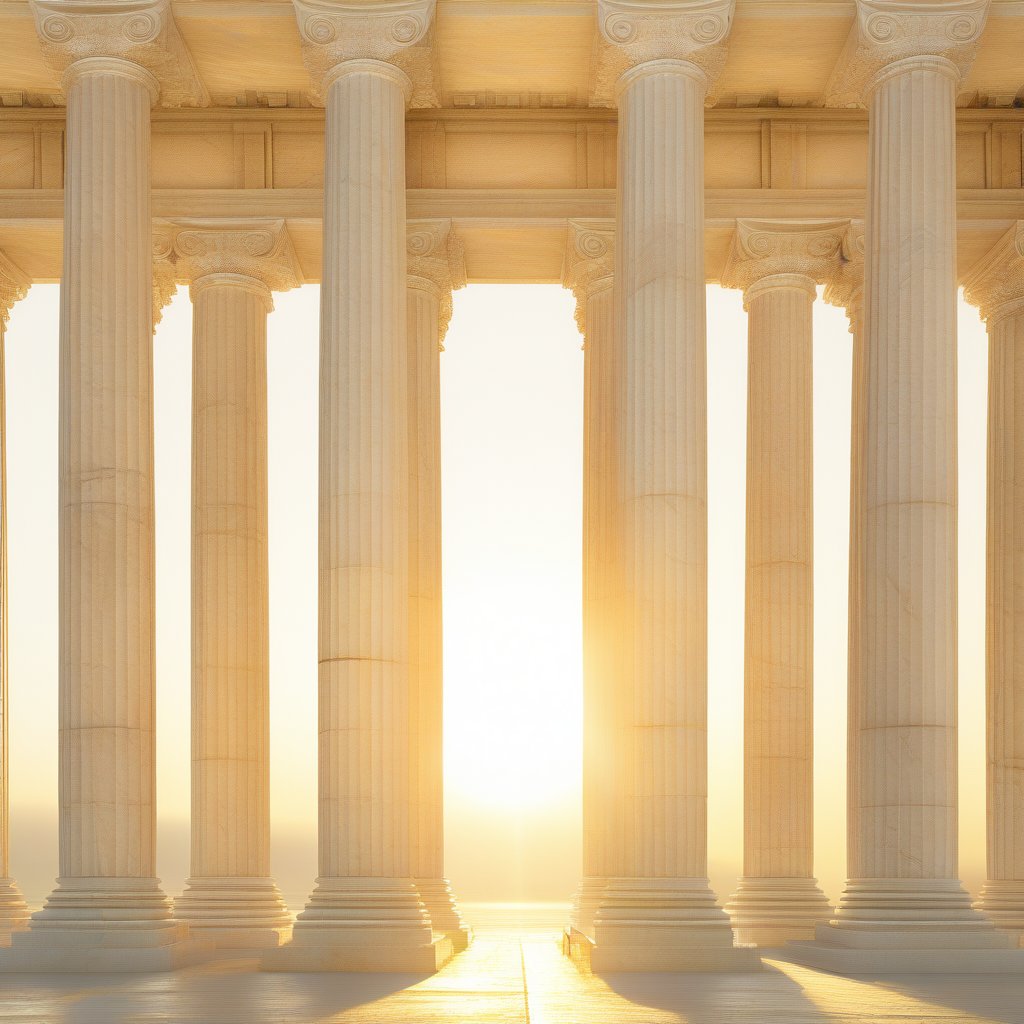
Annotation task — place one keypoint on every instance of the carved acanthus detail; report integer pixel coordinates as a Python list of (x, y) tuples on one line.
[(140, 31), (14, 287), (886, 31), (436, 259), (394, 31), (165, 284), (845, 288), (765, 248), (996, 283), (257, 249), (634, 32), (589, 262)]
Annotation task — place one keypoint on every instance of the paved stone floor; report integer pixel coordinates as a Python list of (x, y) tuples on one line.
[(512, 978)]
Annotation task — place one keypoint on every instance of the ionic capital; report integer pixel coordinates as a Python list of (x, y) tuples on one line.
[(257, 250), (889, 31), (13, 288), (141, 32), (436, 262), (996, 283), (394, 32), (637, 32), (589, 262), (845, 288), (165, 278), (792, 253)]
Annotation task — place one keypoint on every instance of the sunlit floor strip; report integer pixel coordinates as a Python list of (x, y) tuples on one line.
[(508, 978)]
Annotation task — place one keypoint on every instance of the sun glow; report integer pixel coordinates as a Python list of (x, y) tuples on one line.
[(511, 562)]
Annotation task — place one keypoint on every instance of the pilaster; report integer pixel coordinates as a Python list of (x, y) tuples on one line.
[(778, 265), (996, 287), (588, 272), (14, 286), (435, 268)]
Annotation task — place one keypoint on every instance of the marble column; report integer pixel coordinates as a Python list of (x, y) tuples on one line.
[(661, 914), (234, 267), (778, 264), (904, 908), (846, 290), (13, 909), (435, 267), (108, 911), (996, 286), (587, 271), (365, 913)]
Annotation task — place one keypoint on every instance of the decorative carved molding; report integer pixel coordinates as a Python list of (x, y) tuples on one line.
[(393, 31), (845, 288), (634, 32), (436, 259), (14, 287), (886, 31), (996, 283), (140, 31), (765, 248), (589, 261), (260, 249)]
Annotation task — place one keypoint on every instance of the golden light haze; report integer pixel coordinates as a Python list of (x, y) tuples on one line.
[(511, 449)]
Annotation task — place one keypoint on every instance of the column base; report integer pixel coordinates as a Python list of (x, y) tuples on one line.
[(585, 902), (14, 913), (437, 896), (905, 926), (772, 911), (362, 925), (1002, 902), (101, 926), (235, 914), (664, 924)]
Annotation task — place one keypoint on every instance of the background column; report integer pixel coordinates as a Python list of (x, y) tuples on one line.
[(435, 268), (587, 271), (233, 267), (997, 286), (778, 265), (365, 913), (661, 914), (108, 911), (904, 903), (13, 909)]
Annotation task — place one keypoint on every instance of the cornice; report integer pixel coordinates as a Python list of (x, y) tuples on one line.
[(142, 32), (436, 258), (14, 287), (996, 283), (256, 248), (589, 260), (395, 32), (845, 288), (887, 31), (635, 32), (780, 248)]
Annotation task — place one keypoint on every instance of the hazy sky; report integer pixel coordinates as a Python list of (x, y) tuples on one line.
[(512, 440)]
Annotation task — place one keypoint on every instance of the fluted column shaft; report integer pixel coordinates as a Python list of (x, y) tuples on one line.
[(907, 645), (778, 720), (1003, 895), (229, 886), (603, 838), (778, 898), (365, 911), (660, 913), (426, 690), (13, 909)]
